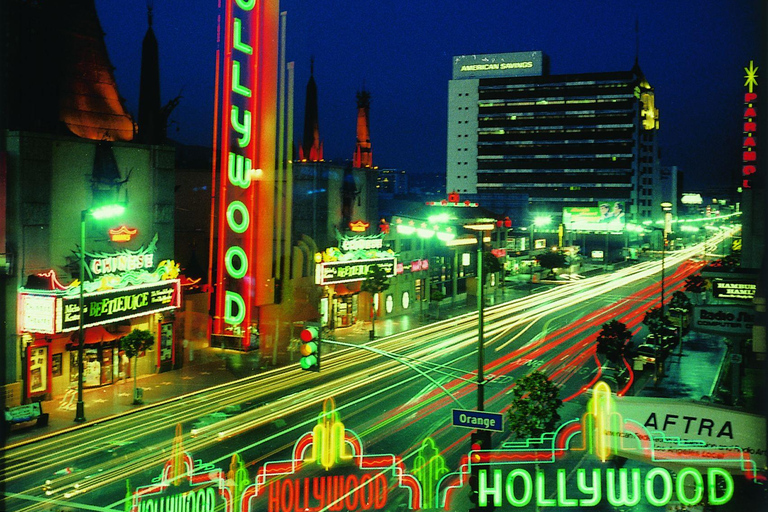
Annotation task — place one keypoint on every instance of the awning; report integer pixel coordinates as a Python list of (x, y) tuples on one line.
[(346, 288), (96, 334)]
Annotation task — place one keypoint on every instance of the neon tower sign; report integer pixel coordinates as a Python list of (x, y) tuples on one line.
[(244, 155), (749, 154)]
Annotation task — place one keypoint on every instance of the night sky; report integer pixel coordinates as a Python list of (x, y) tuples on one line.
[(692, 52)]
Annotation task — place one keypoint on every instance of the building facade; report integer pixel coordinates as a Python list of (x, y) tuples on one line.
[(523, 142)]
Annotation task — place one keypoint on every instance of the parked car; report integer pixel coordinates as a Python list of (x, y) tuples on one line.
[(648, 353)]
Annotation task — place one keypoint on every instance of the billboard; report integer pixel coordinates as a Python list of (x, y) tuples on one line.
[(726, 320), (713, 426), (605, 216), (498, 65), (738, 290)]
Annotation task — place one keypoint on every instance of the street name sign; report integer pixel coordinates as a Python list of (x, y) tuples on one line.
[(478, 419)]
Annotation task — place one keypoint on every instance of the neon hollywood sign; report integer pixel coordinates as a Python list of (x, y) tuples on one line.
[(511, 475)]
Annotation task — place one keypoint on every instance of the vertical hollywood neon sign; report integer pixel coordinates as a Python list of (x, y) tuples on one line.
[(245, 157), (749, 154)]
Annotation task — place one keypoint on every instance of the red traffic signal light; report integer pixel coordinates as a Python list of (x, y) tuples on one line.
[(310, 349), (480, 440)]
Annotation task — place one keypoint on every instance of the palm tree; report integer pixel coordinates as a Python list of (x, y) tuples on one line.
[(376, 282), (133, 344), (613, 341)]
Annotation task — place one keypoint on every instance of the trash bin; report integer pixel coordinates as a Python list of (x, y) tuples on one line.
[(138, 396)]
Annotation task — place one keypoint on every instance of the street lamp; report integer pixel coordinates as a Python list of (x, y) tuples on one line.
[(102, 212), (666, 207), (481, 228), (539, 221)]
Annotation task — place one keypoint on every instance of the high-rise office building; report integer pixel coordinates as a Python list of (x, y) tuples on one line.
[(523, 142)]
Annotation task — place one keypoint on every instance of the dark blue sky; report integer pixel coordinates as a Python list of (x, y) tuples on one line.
[(692, 52)]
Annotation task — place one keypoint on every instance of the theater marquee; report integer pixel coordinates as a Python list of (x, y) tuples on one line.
[(50, 314)]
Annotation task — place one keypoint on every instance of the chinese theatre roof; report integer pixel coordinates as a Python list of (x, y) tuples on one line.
[(89, 103)]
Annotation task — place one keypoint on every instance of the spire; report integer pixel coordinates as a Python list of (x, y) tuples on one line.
[(363, 155), (637, 41), (311, 148), (151, 122), (90, 105)]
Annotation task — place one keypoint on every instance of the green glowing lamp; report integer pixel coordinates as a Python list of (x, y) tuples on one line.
[(107, 211)]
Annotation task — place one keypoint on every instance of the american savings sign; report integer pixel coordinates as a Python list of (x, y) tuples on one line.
[(749, 153)]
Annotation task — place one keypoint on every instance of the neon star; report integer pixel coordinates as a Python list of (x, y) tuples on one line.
[(751, 75)]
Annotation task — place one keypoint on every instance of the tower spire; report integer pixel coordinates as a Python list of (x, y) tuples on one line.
[(311, 148), (363, 156), (151, 121)]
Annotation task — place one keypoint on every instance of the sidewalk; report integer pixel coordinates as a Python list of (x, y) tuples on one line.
[(696, 375)]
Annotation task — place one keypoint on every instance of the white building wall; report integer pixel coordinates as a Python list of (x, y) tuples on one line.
[(461, 172)]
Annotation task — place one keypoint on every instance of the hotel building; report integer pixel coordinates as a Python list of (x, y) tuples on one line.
[(523, 142)]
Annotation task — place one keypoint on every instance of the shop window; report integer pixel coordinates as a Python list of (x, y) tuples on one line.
[(405, 300), (389, 303)]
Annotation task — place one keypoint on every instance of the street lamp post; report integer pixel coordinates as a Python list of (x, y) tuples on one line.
[(480, 308), (103, 212), (540, 222), (480, 229), (665, 207), (80, 412)]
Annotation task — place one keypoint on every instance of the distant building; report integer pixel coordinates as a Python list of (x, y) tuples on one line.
[(523, 142), (392, 182)]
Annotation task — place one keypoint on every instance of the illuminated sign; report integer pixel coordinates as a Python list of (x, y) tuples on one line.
[(702, 471), (713, 425), (185, 485), (739, 290), (419, 265), (359, 243), (350, 480), (37, 313), (498, 64), (499, 253), (749, 149), (359, 226), (122, 234), (101, 264), (720, 319), (245, 156), (478, 419), (121, 263), (348, 271), (112, 305), (608, 216)]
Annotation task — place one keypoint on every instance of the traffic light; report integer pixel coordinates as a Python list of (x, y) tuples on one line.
[(310, 348), (479, 440)]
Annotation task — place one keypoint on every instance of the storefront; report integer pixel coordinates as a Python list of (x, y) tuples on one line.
[(126, 291), (341, 270)]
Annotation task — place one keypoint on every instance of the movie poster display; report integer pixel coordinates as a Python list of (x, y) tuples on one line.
[(605, 216)]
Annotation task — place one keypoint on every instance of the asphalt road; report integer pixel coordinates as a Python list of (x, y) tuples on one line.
[(393, 403)]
